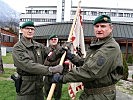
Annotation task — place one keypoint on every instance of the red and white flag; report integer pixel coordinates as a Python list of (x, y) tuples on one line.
[(78, 43)]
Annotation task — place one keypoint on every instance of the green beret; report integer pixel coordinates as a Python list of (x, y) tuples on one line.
[(53, 36), (28, 23), (102, 19)]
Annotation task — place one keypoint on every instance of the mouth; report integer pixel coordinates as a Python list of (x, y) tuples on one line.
[(99, 33)]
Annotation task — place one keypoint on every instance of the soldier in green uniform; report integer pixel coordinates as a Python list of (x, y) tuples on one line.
[(28, 57), (54, 52), (102, 67)]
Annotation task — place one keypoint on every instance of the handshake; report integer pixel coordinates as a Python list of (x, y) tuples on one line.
[(57, 71)]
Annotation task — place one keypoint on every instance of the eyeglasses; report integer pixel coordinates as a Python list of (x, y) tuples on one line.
[(53, 39), (27, 28)]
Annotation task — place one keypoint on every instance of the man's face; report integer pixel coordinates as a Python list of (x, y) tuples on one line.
[(102, 30), (53, 41), (28, 32)]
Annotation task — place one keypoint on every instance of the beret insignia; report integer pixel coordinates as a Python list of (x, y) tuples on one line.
[(105, 19)]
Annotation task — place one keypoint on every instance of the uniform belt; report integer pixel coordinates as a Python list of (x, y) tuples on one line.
[(31, 78), (101, 90)]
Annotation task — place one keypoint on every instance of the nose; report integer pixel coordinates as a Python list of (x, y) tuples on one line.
[(99, 28), (30, 29)]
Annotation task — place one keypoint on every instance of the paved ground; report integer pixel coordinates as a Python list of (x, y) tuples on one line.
[(8, 65), (120, 95), (130, 71), (123, 96)]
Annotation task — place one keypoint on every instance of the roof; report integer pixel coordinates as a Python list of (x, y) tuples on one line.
[(62, 29)]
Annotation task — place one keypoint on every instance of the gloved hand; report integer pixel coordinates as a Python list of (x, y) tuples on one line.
[(57, 78), (67, 45), (69, 55), (79, 51), (56, 69), (67, 48)]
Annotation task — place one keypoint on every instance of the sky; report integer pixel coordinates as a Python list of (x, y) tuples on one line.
[(19, 5)]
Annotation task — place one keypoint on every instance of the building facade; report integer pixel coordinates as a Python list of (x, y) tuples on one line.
[(52, 19), (7, 40), (65, 11)]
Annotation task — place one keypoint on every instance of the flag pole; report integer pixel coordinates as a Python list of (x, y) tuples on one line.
[(63, 56), (74, 21)]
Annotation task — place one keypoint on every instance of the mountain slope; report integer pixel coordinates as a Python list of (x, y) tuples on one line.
[(7, 14)]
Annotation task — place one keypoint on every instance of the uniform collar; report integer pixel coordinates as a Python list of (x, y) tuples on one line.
[(98, 42), (54, 46), (28, 43)]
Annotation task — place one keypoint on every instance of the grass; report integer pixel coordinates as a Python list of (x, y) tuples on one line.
[(7, 89), (8, 58), (6, 75)]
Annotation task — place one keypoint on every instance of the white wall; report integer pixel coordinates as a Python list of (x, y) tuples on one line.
[(67, 10), (3, 51), (59, 11)]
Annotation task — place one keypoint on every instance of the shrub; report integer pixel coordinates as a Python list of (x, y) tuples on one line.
[(132, 76), (125, 68), (130, 59)]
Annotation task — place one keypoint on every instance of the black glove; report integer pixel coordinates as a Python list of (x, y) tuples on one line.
[(67, 45), (69, 55), (57, 78), (56, 69), (79, 51), (67, 48)]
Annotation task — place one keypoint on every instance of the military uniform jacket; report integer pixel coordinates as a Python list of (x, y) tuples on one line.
[(53, 55), (28, 59), (103, 65)]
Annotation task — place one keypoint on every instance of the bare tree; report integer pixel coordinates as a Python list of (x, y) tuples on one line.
[(1, 62)]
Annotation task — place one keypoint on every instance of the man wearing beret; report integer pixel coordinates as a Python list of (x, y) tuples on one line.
[(28, 57), (102, 67), (55, 53)]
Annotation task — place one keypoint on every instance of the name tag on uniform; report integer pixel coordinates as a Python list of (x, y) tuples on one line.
[(38, 52), (91, 55), (50, 54)]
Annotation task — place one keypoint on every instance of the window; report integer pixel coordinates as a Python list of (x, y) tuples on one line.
[(113, 14), (131, 14), (100, 13), (126, 15), (73, 12), (54, 11), (84, 12), (120, 14), (93, 13), (46, 11), (11, 39)]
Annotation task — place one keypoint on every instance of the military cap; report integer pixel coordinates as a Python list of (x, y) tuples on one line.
[(53, 36), (102, 19), (28, 23)]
